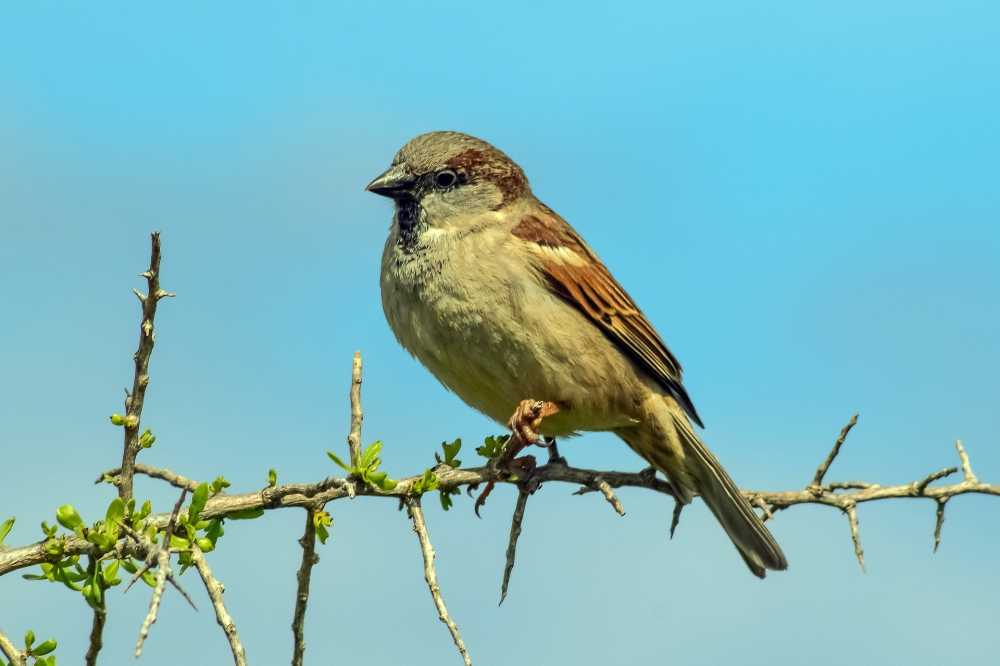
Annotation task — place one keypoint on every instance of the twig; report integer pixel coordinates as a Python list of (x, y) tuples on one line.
[(215, 590), (417, 517), (304, 575), (96, 633), (134, 400), (354, 437), (302, 495), (939, 522), (515, 533), (163, 568), (605, 489), (852, 519), (14, 656), (825, 465), (176, 480), (162, 573), (966, 465)]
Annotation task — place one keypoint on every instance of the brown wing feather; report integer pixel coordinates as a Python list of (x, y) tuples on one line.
[(577, 275)]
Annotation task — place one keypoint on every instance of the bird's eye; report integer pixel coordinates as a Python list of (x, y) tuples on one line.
[(445, 179)]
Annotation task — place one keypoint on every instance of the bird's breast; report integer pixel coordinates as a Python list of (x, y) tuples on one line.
[(485, 326)]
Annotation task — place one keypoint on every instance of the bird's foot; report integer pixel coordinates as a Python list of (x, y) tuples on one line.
[(649, 473), (524, 424), (528, 417)]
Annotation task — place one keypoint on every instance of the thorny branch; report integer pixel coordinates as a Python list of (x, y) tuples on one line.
[(844, 495), (96, 634), (222, 616), (162, 556), (14, 656), (147, 337), (417, 517), (354, 438), (515, 533), (304, 576)]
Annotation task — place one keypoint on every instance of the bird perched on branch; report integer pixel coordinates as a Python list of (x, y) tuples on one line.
[(502, 300)]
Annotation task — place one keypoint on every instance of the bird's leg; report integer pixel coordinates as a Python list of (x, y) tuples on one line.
[(524, 425), (554, 457)]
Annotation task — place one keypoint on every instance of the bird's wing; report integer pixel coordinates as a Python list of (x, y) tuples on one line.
[(575, 273)]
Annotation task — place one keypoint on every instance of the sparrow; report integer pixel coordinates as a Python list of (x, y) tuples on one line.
[(502, 300)]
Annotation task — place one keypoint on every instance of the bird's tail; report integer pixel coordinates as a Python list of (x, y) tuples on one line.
[(753, 541)]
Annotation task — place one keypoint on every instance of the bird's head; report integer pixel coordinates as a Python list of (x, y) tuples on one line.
[(444, 177)]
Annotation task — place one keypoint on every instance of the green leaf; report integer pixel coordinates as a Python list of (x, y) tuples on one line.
[(428, 481), (147, 439), (492, 446), (5, 528), (369, 459), (272, 478), (450, 451), (246, 514), (117, 419), (214, 530), (218, 485), (321, 521), (29, 638), (205, 544), (129, 566), (149, 579), (68, 517), (322, 533), (198, 501), (116, 511), (53, 547), (445, 498), (110, 574), (44, 648), (336, 459)]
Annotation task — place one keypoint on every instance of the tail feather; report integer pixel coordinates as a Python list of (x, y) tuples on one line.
[(753, 541)]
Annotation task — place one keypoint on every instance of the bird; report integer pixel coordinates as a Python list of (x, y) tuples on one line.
[(501, 300)]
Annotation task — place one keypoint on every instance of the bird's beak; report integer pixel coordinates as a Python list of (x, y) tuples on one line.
[(394, 182)]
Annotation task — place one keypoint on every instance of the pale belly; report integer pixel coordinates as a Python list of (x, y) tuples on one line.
[(496, 337)]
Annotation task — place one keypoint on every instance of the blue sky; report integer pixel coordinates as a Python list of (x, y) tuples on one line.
[(802, 197)]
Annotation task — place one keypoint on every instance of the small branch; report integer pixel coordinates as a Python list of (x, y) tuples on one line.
[(852, 519), (939, 522), (515, 533), (354, 438), (309, 558), (162, 573), (921, 486), (176, 480), (134, 400), (420, 528), (825, 465), (966, 465), (215, 590), (14, 656), (605, 489), (163, 569), (96, 634)]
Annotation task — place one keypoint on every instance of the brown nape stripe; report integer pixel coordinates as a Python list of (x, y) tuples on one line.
[(492, 166)]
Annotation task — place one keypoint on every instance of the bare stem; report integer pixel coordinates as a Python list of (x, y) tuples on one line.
[(825, 465), (14, 656), (515, 533), (417, 517), (147, 337), (215, 590), (96, 634), (354, 438), (309, 558)]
